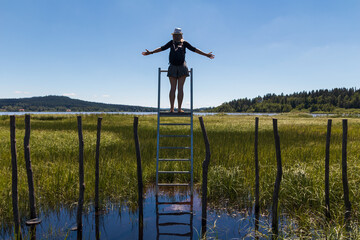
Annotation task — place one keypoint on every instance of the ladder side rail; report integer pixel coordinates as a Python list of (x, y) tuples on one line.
[(158, 134), (192, 217), (192, 149)]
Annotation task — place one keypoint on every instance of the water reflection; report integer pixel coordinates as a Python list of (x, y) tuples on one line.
[(257, 218), (174, 219), (141, 219), (117, 221), (97, 229), (33, 232)]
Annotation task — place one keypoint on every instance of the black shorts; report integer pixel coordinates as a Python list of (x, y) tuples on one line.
[(178, 71)]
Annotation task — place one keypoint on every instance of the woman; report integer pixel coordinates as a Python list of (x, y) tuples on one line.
[(178, 70)]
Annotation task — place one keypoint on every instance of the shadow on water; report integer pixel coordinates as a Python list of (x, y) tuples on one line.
[(160, 221)]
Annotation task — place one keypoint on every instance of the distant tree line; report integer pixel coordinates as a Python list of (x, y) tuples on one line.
[(312, 101), (63, 104)]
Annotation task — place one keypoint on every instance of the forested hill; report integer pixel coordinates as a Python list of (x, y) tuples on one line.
[(319, 100), (63, 104)]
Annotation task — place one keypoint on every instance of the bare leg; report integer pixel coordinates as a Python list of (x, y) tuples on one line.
[(180, 96), (173, 82)]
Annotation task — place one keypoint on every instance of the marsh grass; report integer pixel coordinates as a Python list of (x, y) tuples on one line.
[(54, 155)]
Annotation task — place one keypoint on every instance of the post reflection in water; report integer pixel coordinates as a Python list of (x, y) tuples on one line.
[(33, 232), (174, 216), (97, 230), (257, 218), (141, 219), (79, 233)]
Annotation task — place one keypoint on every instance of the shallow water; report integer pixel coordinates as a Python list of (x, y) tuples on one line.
[(119, 222), (154, 113), (127, 113)]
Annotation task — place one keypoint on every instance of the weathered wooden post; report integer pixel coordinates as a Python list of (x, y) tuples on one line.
[(205, 166), (33, 219), (81, 179), (139, 175), (344, 172), (97, 156), (277, 181), (327, 170), (14, 178), (257, 184)]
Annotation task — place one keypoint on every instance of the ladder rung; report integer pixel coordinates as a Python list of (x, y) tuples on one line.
[(174, 203), (175, 124), (175, 213), (169, 114), (175, 135), (173, 223), (175, 147), (174, 160), (174, 172), (173, 184), (176, 234)]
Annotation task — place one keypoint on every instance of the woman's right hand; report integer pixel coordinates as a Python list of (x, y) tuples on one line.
[(146, 53)]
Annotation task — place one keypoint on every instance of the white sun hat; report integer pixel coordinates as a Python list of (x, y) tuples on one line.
[(177, 31)]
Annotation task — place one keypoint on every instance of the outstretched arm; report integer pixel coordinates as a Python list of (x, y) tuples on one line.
[(151, 52), (209, 55)]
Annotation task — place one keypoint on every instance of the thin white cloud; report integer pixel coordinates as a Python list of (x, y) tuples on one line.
[(69, 94), (106, 96), (21, 92)]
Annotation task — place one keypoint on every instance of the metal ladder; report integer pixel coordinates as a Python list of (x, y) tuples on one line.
[(160, 136), (174, 219)]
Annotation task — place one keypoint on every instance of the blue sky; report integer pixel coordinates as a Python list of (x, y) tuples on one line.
[(91, 50)]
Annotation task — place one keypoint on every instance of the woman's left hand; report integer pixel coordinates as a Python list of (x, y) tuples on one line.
[(210, 55)]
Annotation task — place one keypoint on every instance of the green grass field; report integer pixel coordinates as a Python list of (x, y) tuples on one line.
[(54, 155)]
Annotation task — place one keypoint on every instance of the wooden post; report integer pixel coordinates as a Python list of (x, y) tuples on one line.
[(139, 175), (81, 179), (257, 184), (344, 172), (205, 166), (33, 219), (277, 181), (327, 170), (97, 164), (14, 178)]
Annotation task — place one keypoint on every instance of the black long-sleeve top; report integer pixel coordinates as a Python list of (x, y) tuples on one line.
[(177, 51)]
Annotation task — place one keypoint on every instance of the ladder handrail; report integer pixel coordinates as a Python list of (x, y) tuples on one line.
[(192, 136), (158, 135)]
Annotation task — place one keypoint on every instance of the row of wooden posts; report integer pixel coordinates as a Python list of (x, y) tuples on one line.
[(34, 220), (33, 216), (279, 173)]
